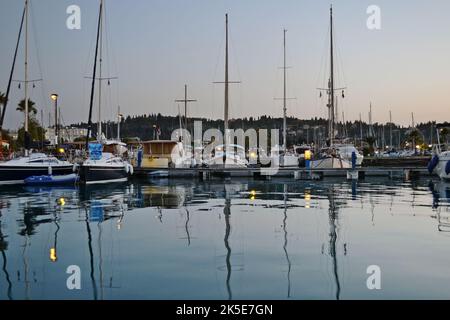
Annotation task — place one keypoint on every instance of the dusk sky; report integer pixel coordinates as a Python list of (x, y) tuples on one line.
[(156, 46)]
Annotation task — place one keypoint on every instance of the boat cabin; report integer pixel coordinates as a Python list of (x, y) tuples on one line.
[(159, 154)]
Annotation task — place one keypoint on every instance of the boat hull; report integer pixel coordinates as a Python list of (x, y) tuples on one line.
[(18, 174), (331, 163), (102, 174)]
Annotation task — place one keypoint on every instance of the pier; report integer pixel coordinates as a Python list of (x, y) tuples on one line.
[(406, 173)]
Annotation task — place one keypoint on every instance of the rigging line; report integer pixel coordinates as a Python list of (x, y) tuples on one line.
[(38, 56)]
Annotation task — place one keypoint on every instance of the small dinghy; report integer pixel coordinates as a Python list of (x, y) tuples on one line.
[(51, 180)]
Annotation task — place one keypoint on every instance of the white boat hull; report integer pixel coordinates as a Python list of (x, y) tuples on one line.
[(331, 163)]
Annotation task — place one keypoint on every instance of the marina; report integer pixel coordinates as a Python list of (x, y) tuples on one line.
[(276, 174)]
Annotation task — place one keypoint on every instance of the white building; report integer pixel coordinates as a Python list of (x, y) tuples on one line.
[(65, 134)]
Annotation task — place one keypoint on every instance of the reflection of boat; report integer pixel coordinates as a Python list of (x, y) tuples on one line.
[(37, 164), (162, 196)]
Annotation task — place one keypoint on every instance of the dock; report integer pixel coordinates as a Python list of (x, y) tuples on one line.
[(294, 173)]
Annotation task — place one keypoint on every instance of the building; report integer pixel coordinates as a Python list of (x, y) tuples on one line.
[(65, 134)]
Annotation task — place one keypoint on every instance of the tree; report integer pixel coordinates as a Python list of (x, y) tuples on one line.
[(443, 135), (2, 99), (34, 129), (31, 107)]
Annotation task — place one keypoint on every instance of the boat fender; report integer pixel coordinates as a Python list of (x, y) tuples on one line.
[(75, 167), (131, 169), (50, 170), (433, 163), (447, 167)]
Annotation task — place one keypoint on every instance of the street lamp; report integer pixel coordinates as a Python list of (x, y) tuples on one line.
[(54, 97)]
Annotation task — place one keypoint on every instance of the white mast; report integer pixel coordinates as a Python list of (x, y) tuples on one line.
[(390, 129), (99, 125), (225, 118), (26, 78), (284, 92)]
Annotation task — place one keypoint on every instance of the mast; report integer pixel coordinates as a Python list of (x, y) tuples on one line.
[(284, 91), (99, 125), (93, 74), (119, 119), (185, 101), (331, 84), (12, 69), (360, 128), (225, 118), (26, 79), (390, 129)]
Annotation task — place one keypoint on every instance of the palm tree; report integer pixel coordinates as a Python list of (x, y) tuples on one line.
[(2, 102), (31, 106), (2, 98)]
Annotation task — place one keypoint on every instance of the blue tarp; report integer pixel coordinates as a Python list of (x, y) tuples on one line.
[(95, 151)]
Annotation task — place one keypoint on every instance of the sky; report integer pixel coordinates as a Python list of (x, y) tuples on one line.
[(154, 47)]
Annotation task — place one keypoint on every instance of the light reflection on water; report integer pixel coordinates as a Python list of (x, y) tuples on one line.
[(227, 240)]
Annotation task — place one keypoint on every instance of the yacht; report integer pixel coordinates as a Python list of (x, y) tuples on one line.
[(280, 157), (231, 156), (37, 164), (440, 162), (108, 168), (105, 163), (330, 159), (346, 151)]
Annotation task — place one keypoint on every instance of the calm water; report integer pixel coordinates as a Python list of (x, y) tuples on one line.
[(227, 240)]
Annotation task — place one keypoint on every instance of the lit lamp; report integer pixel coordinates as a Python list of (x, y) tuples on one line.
[(54, 97)]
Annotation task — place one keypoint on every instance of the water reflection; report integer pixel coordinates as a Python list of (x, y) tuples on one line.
[(71, 222)]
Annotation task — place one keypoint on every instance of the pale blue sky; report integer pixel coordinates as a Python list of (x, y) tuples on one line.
[(156, 46)]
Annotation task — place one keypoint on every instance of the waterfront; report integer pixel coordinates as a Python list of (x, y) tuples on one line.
[(234, 239)]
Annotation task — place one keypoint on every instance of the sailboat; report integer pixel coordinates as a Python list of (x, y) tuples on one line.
[(101, 167), (36, 164), (440, 162), (280, 156), (227, 155), (330, 157)]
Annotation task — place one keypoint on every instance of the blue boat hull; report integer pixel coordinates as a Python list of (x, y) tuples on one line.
[(51, 180)]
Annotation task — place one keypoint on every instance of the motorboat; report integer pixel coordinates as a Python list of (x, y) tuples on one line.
[(37, 164)]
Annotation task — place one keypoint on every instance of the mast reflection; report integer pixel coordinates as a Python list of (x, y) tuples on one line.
[(332, 218), (227, 214), (286, 241), (3, 249)]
